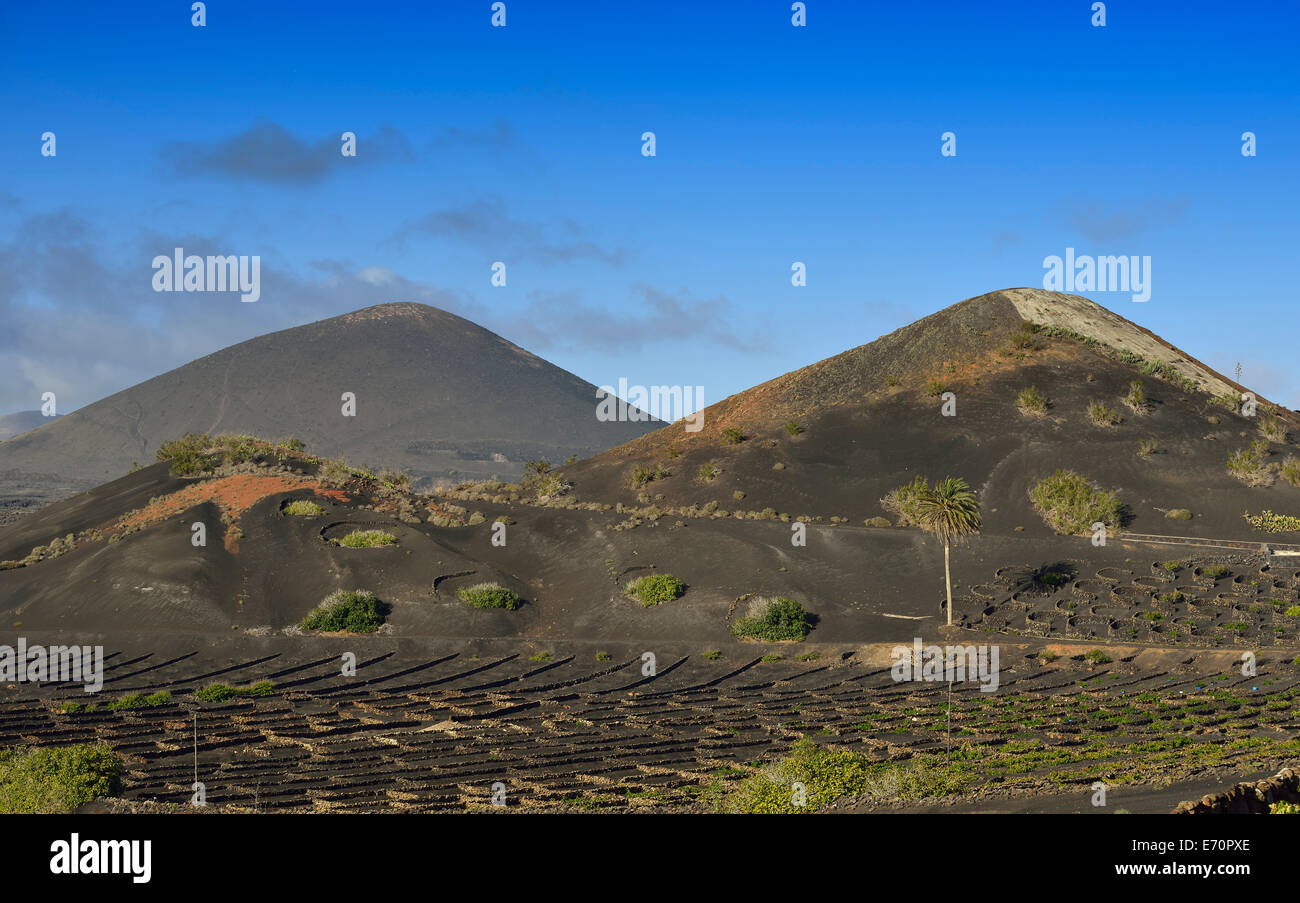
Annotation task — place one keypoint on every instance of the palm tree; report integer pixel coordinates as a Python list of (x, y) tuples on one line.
[(951, 512)]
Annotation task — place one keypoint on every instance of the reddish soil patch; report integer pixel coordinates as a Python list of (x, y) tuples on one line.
[(233, 494)]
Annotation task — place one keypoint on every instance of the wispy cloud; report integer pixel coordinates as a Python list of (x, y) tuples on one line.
[(267, 152), (497, 135), (563, 322), (82, 320), (1102, 225), (487, 224)]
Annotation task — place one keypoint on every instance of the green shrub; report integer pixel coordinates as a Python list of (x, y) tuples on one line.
[(903, 502), (1147, 446), (352, 611), (1284, 808), (708, 472), (553, 486), (219, 692), (733, 435), (366, 539), (1293, 611), (1291, 470), (1137, 397), (1215, 571), (877, 522), (1270, 522), (1178, 514), (713, 655), (190, 455), (395, 479), (1172, 565), (304, 508), (828, 775), (1096, 657), (54, 779), (793, 428), (935, 388), (1031, 401), (1227, 401), (489, 595), (293, 443), (236, 449), (1104, 415), (1273, 428), (195, 443), (1251, 465), (646, 473), (140, 701), (653, 589), (773, 620), (1023, 336), (334, 473), (1070, 504)]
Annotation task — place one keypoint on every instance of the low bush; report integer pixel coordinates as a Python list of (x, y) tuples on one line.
[(1071, 504), (827, 775), (350, 611), (904, 501), (51, 779), (646, 473), (1271, 522), (219, 692), (1104, 415), (1251, 465), (304, 508), (1273, 428), (1023, 336), (140, 701), (489, 595), (654, 589), (1178, 514), (1228, 401), (334, 473), (367, 539), (1032, 402), (1290, 470), (1136, 398), (773, 620), (733, 435)]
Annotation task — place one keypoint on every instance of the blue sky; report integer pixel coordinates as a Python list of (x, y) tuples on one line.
[(522, 144)]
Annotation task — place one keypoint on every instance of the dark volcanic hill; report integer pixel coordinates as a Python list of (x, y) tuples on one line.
[(435, 395), (20, 422), (716, 512), (870, 419)]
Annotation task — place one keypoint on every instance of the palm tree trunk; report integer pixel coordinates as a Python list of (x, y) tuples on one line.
[(947, 578)]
